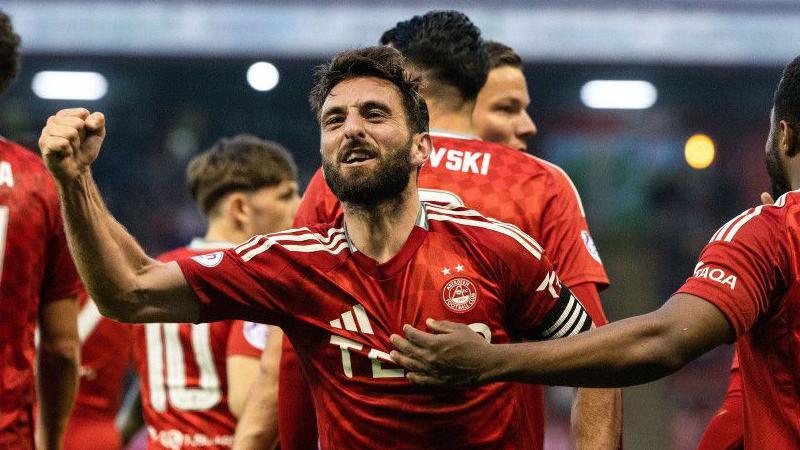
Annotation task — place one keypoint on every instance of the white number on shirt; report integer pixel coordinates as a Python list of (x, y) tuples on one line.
[(437, 195), (206, 395)]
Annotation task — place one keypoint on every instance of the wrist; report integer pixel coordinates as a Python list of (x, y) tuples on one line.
[(498, 363)]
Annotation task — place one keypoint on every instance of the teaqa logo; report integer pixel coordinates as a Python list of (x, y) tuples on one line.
[(460, 295), (209, 260)]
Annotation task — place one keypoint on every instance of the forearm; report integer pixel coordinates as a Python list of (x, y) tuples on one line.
[(597, 418), (258, 425), (107, 257), (57, 384)]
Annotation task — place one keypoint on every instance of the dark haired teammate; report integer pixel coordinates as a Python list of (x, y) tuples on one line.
[(445, 49), (744, 288), (339, 290), (38, 282)]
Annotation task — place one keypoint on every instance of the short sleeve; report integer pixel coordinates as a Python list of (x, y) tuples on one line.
[(744, 268), (242, 283), (319, 205), (61, 279), (565, 234), (247, 339), (540, 307)]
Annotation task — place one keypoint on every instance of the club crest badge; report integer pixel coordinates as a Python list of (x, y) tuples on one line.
[(460, 295)]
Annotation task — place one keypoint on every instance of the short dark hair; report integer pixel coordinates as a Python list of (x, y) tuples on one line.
[(501, 55), (787, 94), (240, 163), (446, 43), (380, 62), (9, 52)]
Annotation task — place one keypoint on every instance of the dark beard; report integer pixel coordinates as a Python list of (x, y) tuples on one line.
[(366, 188), (777, 175)]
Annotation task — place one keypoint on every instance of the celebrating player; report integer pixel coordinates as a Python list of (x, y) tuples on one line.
[(445, 49), (500, 113), (340, 290), (743, 289), (37, 282), (195, 378)]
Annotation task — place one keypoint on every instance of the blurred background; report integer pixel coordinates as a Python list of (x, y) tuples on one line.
[(659, 166)]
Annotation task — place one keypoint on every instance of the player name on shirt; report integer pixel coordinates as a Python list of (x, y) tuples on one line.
[(461, 161)]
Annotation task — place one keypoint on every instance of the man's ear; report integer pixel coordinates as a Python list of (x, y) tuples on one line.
[(237, 207), (788, 139), (421, 149)]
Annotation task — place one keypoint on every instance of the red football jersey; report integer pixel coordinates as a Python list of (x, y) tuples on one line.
[(184, 380), (35, 266), (499, 182), (749, 270), (105, 357), (339, 308)]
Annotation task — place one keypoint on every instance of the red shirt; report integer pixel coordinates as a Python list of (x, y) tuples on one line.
[(339, 308), (105, 358), (749, 271), (184, 380), (500, 182), (35, 266)]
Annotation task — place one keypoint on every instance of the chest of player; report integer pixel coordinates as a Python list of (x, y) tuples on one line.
[(358, 305)]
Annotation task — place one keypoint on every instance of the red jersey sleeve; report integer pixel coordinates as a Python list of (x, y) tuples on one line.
[(565, 234), (744, 267), (539, 307), (319, 205), (247, 339), (61, 279), (233, 284)]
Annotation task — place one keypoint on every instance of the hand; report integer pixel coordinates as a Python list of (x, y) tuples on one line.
[(767, 199), (71, 141), (456, 356)]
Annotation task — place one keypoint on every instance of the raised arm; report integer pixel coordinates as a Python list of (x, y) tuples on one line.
[(126, 284)]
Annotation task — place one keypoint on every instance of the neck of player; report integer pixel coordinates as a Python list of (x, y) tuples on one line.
[(452, 118), (380, 231)]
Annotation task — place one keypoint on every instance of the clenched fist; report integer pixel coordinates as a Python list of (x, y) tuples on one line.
[(71, 141)]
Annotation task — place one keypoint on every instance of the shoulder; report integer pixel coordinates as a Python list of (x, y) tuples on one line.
[(306, 241), (499, 237), (20, 157), (759, 222), (557, 180)]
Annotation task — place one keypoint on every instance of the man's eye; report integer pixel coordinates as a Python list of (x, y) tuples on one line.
[(333, 120)]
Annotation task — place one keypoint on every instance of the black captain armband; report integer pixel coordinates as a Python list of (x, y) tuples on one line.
[(567, 318)]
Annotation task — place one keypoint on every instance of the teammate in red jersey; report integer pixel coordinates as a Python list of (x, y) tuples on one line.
[(37, 282), (195, 378), (726, 429), (339, 290), (496, 180), (743, 289), (105, 358)]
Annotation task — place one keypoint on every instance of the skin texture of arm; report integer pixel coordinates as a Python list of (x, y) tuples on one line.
[(258, 424), (242, 370), (57, 372), (631, 351), (596, 413), (126, 284)]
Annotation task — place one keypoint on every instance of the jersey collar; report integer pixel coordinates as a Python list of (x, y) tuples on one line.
[(199, 244), (450, 134)]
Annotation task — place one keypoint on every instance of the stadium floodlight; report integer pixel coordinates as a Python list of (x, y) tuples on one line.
[(699, 151), (63, 85), (263, 76), (619, 94)]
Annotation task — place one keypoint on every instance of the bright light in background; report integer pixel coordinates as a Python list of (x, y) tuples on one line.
[(263, 76), (619, 94), (55, 85), (699, 151)]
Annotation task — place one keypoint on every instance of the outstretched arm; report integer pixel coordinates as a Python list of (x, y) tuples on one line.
[(632, 351), (127, 285)]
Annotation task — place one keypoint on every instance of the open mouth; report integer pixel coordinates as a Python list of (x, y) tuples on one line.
[(357, 156)]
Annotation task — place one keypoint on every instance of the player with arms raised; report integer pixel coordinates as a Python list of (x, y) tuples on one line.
[(339, 290), (195, 378), (744, 288), (38, 282), (445, 49)]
